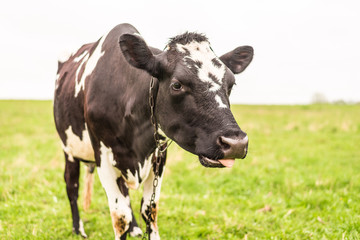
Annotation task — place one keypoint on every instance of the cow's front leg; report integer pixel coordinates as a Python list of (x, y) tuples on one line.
[(146, 206), (120, 211)]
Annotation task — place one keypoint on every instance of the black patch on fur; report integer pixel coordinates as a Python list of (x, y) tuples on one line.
[(214, 78), (198, 64), (216, 62), (187, 38)]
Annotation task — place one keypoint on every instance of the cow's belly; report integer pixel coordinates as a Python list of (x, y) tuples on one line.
[(78, 147)]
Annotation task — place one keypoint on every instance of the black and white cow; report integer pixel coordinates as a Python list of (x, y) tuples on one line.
[(102, 114)]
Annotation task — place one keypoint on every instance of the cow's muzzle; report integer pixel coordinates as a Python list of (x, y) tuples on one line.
[(232, 148)]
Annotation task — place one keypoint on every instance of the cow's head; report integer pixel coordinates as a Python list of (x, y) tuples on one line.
[(192, 105)]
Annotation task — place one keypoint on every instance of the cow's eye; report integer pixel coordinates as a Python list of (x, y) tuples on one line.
[(176, 86)]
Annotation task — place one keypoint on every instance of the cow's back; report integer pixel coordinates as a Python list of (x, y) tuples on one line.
[(97, 77)]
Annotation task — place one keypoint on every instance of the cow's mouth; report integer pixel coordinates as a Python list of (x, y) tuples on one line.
[(220, 163)]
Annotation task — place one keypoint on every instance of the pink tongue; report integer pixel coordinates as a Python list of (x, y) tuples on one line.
[(227, 162)]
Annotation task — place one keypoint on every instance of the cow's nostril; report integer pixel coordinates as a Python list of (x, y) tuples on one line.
[(233, 147), (224, 145)]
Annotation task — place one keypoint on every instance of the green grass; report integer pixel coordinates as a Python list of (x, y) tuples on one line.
[(301, 179)]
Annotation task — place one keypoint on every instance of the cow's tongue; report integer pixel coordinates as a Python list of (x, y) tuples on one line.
[(227, 162)]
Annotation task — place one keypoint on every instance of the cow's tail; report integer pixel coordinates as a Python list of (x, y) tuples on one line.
[(88, 186)]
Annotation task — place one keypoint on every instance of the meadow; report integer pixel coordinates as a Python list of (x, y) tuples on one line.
[(300, 180)]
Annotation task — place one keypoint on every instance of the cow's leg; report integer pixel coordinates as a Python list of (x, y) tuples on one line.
[(121, 214), (88, 186), (134, 229), (71, 176), (146, 207)]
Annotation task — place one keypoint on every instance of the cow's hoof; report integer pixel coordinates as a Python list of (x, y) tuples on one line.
[(136, 232), (81, 230)]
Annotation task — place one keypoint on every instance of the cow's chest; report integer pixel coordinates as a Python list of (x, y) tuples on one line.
[(80, 147), (133, 181), (134, 177)]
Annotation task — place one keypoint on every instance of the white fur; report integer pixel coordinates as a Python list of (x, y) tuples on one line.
[(201, 52), (81, 229), (78, 58), (90, 65), (108, 176), (132, 181), (80, 85), (220, 102), (136, 232), (75, 147), (148, 191), (57, 81)]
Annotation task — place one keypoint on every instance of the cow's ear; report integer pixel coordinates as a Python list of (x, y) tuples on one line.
[(138, 54), (238, 59)]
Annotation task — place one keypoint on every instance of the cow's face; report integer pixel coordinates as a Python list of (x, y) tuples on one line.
[(192, 105)]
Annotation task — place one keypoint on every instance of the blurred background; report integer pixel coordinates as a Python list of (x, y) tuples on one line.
[(305, 51)]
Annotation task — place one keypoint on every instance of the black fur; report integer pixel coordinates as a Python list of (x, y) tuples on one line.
[(187, 38)]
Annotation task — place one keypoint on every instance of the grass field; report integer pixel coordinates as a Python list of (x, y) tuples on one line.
[(301, 179)]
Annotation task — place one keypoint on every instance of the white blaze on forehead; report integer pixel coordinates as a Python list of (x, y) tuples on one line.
[(90, 65), (208, 72), (76, 147), (201, 52)]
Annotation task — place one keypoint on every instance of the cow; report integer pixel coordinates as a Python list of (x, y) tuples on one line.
[(104, 119)]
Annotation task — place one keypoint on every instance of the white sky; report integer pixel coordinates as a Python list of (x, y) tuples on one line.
[(301, 47)]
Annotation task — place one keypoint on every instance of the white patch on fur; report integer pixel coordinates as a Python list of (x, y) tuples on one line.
[(136, 232), (81, 56), (220, 102), (118, 203), (132, 181), (76, 147), (57, 81), (162, 133), (81, 229), (148, 191), (201, 52), (90, 65), (80, 85), (148, 187)]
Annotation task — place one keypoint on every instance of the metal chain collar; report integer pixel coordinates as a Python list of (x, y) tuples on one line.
[(158, 155)]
